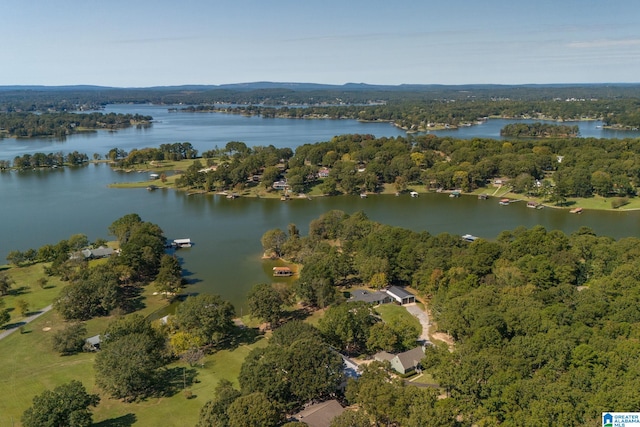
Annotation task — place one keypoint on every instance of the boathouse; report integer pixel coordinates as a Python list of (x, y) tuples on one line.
[(182, 243), (282, 272)]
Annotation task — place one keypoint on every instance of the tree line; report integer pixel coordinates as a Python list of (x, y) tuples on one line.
[(421, 115), (61, 124)]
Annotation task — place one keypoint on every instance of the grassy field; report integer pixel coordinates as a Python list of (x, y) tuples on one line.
[(30, 366), (26, 288)]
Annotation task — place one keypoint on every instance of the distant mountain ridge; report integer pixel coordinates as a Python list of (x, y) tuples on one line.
[(264, 85)]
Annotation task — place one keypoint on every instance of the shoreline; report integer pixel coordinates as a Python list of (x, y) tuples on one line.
[(575, 202)]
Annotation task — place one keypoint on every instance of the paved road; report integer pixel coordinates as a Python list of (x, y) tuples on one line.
[(423, 317), (15, 326)]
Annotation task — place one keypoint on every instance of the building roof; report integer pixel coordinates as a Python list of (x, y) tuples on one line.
[(320, 414), (399, 292), (366, 296), (94, 340), (102, 251), (281, 269), (411, 358), (382, 356)]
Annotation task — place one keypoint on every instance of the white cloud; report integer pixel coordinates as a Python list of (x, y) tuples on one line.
[(604, 43)]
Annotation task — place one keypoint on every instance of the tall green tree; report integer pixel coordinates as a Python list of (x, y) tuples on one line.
[(169, 278), (265, 303), (273, 240), (66, 405), (253, 410), (127, 364), (5, 315), (5, 283), (214, 412), (127, 368), (71, 339), (208, 317), (346, 326)]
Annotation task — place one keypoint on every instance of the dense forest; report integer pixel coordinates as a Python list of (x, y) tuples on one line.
[(56, 124), (545, 324)]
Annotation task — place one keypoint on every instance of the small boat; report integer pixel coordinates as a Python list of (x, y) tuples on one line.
[(483, 196), (414, 194), (363, 195), (454, 194), (504, 202), (576, 210), (469, 238), (152, 188)]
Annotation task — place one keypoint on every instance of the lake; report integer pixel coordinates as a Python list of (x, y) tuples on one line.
[(40, 207)]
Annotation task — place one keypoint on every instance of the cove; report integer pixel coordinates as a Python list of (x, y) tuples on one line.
[(47, 206)]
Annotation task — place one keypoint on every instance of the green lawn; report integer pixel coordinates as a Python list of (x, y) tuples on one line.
[(30, 366), (392, 313), (26, 288)]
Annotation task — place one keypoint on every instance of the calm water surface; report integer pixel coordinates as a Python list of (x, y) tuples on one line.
[(40, 207)]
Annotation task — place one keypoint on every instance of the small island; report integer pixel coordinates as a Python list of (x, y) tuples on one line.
[(539, 130)]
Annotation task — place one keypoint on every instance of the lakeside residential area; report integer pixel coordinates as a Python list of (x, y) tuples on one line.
[(347, 320)]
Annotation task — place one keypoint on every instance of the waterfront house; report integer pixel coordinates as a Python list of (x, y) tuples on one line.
[(323, 173), (97, 253), (280, 185)]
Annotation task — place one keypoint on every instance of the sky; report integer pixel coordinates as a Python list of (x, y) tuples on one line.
[(143, 43)]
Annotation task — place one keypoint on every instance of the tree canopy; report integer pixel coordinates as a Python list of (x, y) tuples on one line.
[(66, 405)]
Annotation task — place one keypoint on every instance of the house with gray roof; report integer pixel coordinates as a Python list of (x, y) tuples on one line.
[(319, 414), (369, 297), (404, 362)]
